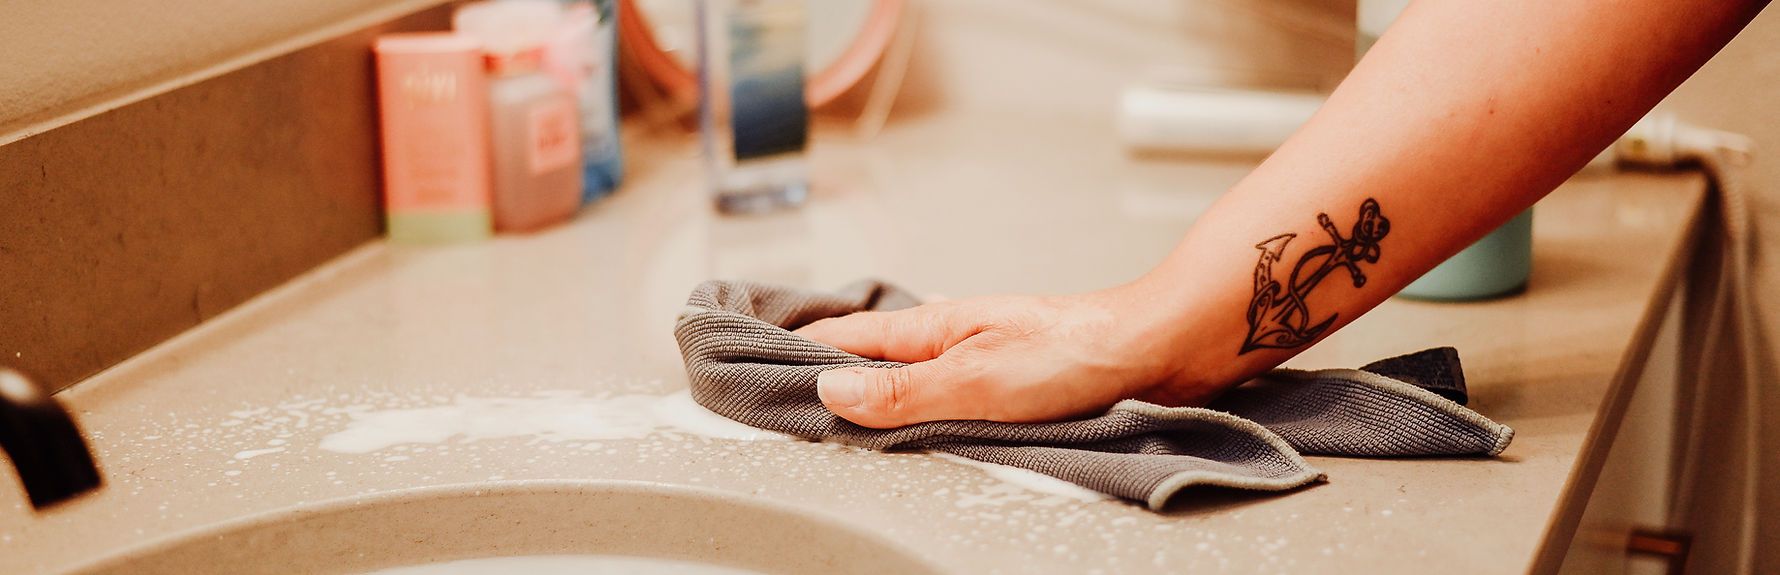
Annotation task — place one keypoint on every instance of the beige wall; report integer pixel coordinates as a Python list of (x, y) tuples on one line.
[(69, 59), (1078, 55)]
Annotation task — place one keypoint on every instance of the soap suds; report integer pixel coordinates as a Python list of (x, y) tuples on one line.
[(252, 453), (1025, 479), (549, 416), (565, 565)]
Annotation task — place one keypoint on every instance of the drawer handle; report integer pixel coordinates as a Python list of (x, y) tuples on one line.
[(1670, 545)]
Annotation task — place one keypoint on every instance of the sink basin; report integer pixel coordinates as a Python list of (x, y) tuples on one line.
[(623, 525)]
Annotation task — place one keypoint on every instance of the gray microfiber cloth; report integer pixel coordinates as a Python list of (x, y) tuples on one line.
[(746, 364)]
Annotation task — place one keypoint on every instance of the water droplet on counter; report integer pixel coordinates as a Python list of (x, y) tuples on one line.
[(252, 453)]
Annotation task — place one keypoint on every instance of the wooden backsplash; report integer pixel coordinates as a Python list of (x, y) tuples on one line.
[(124, 229)]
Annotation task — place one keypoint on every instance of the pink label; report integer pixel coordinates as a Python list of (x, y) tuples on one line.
[(555, 139)]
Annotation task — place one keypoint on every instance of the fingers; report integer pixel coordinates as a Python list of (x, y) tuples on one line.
[(911, 335), (894, 397)]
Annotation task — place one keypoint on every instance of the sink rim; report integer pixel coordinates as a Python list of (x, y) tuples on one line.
[(244, 524)]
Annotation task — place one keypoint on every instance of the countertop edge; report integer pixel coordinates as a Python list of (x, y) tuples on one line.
[(1566, 517)]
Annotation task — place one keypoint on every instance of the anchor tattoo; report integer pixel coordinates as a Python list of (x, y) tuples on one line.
[(1278, 316)]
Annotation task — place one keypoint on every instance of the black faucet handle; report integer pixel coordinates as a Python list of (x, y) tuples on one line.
[(45, 444)]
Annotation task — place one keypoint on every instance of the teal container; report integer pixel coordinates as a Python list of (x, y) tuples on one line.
[(1495, 266)]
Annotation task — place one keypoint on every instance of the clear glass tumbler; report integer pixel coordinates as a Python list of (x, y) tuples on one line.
[(751, 84)]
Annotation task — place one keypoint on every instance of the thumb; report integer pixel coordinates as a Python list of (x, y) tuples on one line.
[(883, 398)]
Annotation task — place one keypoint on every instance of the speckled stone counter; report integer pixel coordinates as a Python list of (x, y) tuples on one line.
[(227, 421)]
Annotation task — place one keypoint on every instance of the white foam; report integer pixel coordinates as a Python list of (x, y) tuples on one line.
[(565, 565), (550, 416), (678, 412), (1026, 479)]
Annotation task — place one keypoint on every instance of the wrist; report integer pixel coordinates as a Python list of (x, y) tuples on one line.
[(1181, 337)]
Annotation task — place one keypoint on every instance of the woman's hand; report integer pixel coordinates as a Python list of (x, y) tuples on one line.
[(1012, 359), (1217, 310)]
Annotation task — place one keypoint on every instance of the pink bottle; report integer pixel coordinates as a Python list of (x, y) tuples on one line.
[(434, 107), (535, 133)]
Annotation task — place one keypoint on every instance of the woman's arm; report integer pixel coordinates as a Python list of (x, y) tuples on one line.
[(1461, 116)]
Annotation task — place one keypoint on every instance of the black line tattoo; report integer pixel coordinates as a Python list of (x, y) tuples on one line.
[(1277, 314)]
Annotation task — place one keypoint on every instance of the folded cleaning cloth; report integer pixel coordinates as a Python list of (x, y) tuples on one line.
[(746, 364)]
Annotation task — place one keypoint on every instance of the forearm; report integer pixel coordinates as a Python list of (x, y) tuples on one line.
[(1463, 115)]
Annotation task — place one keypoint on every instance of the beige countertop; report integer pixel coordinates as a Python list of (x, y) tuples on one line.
[(960, 206)]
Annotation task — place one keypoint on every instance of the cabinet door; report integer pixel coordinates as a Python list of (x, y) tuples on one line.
[(1623, 525)]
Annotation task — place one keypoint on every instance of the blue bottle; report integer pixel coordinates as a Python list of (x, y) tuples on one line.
[(590, 44)]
